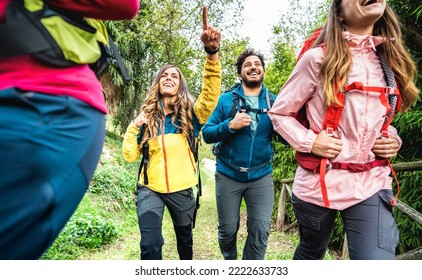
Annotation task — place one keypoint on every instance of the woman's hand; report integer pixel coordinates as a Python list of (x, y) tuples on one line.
[(210, 36), (140, 120), (326, 146), (386, 147)]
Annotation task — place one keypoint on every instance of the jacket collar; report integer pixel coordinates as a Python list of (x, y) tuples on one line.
[(363, 41), (238, 89)]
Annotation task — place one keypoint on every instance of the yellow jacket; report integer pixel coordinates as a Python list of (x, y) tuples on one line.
[(171, 166)]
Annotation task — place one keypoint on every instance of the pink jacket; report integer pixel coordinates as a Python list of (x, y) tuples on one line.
[(79, 81), (359, 126)]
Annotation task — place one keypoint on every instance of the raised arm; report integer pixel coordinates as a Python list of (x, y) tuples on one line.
[(211, 83)]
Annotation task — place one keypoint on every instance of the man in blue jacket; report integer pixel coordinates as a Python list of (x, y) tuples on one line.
[(242, 133)]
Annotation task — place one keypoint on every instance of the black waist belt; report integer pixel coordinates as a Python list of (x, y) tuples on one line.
[(239, 168)]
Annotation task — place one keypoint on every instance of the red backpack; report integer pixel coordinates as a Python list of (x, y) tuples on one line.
[(389, 97)]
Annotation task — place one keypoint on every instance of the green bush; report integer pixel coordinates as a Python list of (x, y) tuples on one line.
[(90, 230), (284, 166), (409, 126), (114, 182)]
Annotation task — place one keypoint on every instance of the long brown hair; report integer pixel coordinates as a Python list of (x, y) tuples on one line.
[(182, 107), (336, 65)]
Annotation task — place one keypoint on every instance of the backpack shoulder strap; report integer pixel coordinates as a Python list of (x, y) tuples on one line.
[(309, 42), (145, 156), (392, 94), (194, 147), (334, 112), (237, 103)]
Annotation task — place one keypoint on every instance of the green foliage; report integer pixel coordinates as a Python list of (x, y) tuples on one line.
[(230, 50), (62, 249), (409, 126), (410, 194), (90, 231), (284, 166), (115, 183), (278, 71), (298, 22), (89, 228), (407, 9)]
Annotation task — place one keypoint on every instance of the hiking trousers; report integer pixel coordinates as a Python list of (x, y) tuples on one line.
[(49, 149), (150, 210), (370, 228), (259, 198)]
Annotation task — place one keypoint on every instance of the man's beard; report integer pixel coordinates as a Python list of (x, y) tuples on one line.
[(252, 83)]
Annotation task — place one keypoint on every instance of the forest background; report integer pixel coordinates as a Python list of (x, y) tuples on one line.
[(167, 32)]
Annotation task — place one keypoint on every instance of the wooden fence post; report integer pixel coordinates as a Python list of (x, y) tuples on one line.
[(281, 211)]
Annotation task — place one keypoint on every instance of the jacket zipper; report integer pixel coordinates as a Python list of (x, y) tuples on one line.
[(165, 155)]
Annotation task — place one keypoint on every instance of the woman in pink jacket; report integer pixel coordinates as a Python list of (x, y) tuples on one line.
[(51, 134), (354, 175)]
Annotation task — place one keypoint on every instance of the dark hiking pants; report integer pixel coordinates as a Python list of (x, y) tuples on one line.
[(150, 210)]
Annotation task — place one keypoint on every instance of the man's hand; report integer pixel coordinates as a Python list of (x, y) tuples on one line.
[(239, 121), (210, 36)]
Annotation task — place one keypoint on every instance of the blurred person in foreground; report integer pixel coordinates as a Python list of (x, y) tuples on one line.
[(52, 129)]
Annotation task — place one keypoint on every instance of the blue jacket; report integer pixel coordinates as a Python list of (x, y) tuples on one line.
[(240, 149)]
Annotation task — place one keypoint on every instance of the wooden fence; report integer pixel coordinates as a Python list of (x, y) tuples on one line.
[(409, 211)]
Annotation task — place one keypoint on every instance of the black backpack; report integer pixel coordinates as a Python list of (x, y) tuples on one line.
[(23, 32)]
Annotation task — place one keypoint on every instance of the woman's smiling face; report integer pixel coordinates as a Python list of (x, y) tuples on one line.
[(359, 16), (169, 82)]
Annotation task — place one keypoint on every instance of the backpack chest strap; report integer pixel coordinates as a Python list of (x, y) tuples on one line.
[(359, 86), (248, 108)]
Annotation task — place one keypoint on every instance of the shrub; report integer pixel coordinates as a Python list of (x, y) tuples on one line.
[(90, 231), (115, 183)]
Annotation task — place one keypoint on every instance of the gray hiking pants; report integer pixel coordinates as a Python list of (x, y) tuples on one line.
[(370, 227), (259, 199)]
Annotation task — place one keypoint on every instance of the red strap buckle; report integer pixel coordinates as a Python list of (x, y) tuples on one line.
[(390, 90), (330, 131), (384, 134)]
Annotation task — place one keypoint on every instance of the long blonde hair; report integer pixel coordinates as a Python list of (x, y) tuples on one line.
[(182, 108), (336, 65)]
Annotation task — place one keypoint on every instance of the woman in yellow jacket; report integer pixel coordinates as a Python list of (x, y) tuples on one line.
[(168, 120)]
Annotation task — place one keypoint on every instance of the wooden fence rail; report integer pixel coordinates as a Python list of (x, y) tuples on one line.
[(409, 211)]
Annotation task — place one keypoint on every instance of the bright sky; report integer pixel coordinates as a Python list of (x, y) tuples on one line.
[(260, 15)]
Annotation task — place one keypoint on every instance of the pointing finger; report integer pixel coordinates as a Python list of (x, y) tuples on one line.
[(204, 18)]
